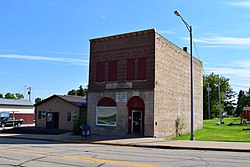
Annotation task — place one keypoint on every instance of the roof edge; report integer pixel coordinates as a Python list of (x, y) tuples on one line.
[(123, 35)]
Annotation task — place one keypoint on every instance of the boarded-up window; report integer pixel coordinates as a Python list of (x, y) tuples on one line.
[(142, 69), (100, 71), (112, 75), (130, 69)]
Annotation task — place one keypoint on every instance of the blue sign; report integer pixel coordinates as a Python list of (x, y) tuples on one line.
[(4, 114)]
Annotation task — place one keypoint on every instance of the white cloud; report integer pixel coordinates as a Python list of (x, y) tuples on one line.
[(245, 4), (242, 73), (48, 59), (224, 41), (244, 64), (68, 53), (216, 42), (238, 73), (166, 32)]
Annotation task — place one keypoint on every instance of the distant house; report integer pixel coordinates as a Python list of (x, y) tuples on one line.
[(19, 109), (245, 114), (60, 111)]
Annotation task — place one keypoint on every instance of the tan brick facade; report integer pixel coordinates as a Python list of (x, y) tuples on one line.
[(165, 92)]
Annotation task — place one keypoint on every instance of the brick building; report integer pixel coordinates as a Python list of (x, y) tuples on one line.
[(139, 83)]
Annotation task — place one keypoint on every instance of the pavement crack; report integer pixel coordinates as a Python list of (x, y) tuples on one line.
[(100, 165), (8, 158), (34, 159), (207, 163)]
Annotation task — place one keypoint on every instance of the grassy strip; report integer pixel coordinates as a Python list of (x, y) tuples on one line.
[(224, 132)]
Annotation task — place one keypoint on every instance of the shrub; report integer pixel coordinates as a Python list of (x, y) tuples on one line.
[(79, 121), (179, 125)]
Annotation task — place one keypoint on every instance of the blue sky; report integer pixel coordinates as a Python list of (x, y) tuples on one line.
[(44, 44)]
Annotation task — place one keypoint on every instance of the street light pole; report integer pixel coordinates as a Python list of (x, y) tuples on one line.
[(191, 75), (208, 99)]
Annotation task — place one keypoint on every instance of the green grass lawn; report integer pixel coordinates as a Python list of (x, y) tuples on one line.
[(213, 132)]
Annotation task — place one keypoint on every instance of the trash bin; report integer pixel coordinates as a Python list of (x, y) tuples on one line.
[(86, 132)]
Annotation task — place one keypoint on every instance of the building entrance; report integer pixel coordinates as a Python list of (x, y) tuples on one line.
[(136, 121), (136, 116)]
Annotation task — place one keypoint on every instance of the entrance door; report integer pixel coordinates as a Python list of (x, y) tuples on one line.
[(136, 121), (52, 120)]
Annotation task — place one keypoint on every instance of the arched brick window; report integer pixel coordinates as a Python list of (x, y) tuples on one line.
[(106, 101), (106, 112)]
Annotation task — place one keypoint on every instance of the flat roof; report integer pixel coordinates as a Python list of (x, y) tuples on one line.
[(118, 36), (15, 102)]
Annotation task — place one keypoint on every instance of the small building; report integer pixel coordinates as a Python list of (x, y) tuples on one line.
[(139, 83), (18, 109), (60, 111), (245, 115)]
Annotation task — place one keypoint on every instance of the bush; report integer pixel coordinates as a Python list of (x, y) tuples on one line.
[(179, 125), (79, 121)]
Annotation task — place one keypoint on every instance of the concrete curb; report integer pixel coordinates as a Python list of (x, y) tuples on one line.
[(136, 145)]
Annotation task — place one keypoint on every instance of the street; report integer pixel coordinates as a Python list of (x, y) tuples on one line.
[(29, 153)]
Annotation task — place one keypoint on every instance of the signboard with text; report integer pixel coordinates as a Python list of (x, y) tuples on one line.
[(121, 96), (119, 85)]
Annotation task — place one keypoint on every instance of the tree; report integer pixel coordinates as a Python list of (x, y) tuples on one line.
[(1, 95), (37, 100), (72, 92), (13, 96), (9, 96), (230, 103), (19, 96), (243, 101), (226, 93), (79, 92)]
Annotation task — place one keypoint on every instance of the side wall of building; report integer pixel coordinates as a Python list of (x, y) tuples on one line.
[(172, 89), (59, 106)]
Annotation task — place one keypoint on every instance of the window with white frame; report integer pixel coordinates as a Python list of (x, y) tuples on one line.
[(71, 116), (106, 116)]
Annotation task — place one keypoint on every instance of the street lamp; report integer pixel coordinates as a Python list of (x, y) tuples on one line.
[(191, 70)]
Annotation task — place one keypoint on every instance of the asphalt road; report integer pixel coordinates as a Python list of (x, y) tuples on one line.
[(29, 153)]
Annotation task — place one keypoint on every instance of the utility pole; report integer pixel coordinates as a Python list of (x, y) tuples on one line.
[(29, 92), (208, 95), (220, 102)]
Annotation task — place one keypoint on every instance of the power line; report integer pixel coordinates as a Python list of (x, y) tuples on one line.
[(197, 53)]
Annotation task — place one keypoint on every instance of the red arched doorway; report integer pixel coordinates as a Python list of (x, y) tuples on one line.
[(136, 109)]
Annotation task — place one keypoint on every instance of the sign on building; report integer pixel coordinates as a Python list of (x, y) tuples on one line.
[(4, 114), (121, 96)]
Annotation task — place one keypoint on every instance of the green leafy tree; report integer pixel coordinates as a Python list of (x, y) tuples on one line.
[(1, 95), (79, 92), (19, 96), (14, 96), (38, 99), (243, 101), (72, 92), (226, 93), (9, 96), (230, 102)]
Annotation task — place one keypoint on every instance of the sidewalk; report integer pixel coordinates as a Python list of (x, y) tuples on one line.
[(138, 142)]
